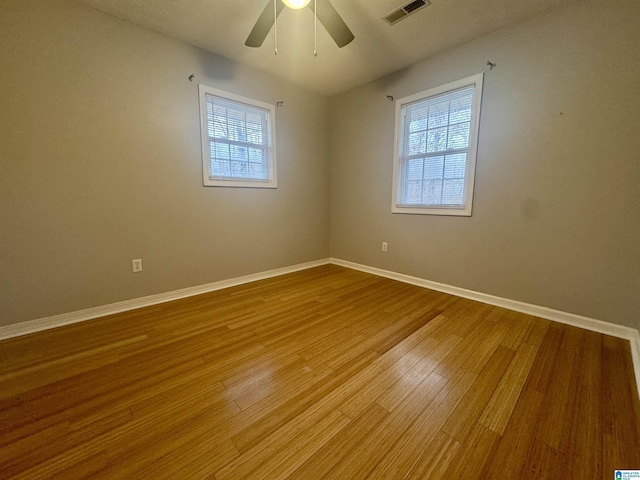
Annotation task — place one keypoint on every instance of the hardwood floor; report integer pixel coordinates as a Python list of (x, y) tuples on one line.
[(325, 373)]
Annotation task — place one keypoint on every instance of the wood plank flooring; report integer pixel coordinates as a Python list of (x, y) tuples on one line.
[(324, 373)]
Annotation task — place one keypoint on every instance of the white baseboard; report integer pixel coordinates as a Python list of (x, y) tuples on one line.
[(32, 326), (599, 326), (627, 333)]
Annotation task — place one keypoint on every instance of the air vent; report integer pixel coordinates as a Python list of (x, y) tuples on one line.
[(403, 12)]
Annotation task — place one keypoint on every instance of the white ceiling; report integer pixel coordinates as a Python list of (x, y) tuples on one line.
[(222, 26)]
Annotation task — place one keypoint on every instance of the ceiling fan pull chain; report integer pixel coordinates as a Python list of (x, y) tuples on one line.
[(315, 28), (275, 27)]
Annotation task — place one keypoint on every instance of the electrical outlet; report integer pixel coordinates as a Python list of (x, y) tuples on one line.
[(385, 246), (136, 265)]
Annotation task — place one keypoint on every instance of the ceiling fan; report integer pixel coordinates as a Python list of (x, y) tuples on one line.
[(325, 13)]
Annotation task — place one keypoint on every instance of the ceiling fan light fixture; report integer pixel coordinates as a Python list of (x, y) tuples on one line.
[(324, 13), (296, 4)]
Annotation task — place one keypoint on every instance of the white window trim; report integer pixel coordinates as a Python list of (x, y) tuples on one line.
[(473, 147), (272, 182)]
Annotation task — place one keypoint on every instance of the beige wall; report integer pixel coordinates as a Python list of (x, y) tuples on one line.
[(557, 195), (100, 158), (100, 161)]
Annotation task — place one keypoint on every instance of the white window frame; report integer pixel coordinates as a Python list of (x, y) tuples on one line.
[(270, 149), (398, 161)]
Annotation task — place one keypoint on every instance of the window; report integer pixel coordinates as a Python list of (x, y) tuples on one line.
[(435, 149), (238, 140)]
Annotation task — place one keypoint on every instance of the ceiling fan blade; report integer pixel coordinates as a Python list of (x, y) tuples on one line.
[(264, 24), (333, 23)]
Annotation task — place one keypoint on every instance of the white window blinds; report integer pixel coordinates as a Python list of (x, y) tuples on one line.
[(435, 151), (237, 141)]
